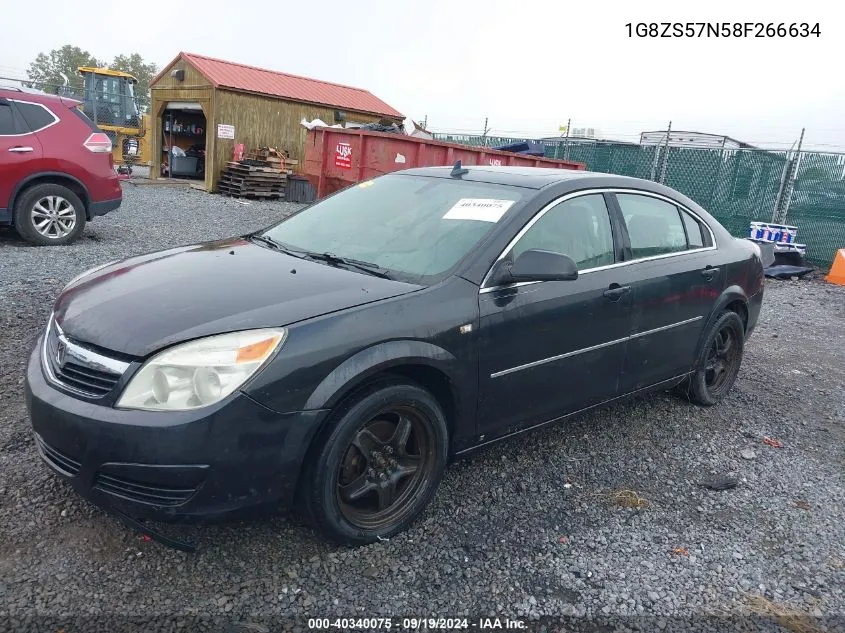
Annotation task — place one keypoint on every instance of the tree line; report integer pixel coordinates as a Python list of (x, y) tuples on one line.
[(49, 70)]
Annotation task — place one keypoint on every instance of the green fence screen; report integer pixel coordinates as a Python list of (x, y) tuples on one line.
[(737, 186), (817, 205)]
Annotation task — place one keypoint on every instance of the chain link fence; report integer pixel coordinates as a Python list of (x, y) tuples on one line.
[(737, 186), (817, 204), (478, 140)]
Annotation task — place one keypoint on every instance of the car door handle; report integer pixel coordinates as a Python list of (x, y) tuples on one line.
[(20, 149), (709, 273), (615, 292)]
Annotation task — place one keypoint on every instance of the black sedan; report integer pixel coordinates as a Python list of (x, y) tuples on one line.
[(337, 360)]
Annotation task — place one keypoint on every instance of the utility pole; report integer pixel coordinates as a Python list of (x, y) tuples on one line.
[(787, 165), (718, 171), (425, 122), (484, 135), (566, 142), (665, 155), (790, 185)]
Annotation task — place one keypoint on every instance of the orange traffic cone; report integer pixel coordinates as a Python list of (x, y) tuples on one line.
[(837, 271)]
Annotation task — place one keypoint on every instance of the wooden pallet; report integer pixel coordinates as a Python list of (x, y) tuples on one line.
[(246, 188), (254, 167), (261, 173), (237, 179), (271, 160)]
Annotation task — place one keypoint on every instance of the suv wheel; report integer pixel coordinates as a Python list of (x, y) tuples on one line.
[(49, 214), (378, 465)]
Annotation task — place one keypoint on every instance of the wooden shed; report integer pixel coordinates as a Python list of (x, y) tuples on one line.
[(201, 107)]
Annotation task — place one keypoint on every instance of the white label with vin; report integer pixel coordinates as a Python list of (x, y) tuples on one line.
[(482, 209)]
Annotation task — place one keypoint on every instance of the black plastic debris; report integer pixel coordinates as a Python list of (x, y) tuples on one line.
[(391, 128), (785, 272), (720, 482), (530, 148)]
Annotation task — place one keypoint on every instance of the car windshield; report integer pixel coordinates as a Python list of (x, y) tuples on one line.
[(415, 227)]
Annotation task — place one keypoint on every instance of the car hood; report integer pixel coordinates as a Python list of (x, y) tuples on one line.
[(145, 303)]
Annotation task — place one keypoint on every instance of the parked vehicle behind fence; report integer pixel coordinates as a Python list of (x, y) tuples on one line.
[(336, 361), (56, 167)]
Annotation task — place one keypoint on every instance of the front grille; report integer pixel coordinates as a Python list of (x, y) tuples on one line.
[(58, 460), (142, 492), (91, 381), (88, 378)]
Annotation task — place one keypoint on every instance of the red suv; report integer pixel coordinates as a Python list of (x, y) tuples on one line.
[(56, 167)]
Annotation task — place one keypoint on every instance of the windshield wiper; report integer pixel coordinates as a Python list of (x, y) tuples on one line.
[(329, 258), (276, 245), (335, 260)]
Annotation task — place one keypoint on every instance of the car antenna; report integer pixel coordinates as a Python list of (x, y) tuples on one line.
[(457, 170)]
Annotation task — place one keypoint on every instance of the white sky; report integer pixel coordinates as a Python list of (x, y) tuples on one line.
[(528, 65)]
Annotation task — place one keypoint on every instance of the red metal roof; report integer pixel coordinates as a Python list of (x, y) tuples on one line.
[(270, 82)]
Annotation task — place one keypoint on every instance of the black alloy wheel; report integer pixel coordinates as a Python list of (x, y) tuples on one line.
[(722, 356), (718, 363), (387, 462), (378, 463)]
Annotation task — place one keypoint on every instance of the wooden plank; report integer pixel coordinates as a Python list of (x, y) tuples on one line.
[(255, 174), (242, 187), (255, 177), (250, 182), (251, 195)]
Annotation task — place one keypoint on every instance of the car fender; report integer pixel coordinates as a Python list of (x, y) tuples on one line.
[(377, 358), (47, 174), (728, 296)]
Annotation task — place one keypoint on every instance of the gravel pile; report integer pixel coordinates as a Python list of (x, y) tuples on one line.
[(602, 517)]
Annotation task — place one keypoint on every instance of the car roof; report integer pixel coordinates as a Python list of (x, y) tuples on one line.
[(565, 181), (528, 177), (23, 93)]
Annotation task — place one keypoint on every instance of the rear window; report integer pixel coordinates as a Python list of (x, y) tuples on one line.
[(78, 112), (37, 116)]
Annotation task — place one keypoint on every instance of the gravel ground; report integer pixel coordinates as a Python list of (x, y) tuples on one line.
[(601, 517)]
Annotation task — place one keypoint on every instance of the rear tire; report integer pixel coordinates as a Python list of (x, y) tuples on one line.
[(718, 362), (49, 215), (378, 464)]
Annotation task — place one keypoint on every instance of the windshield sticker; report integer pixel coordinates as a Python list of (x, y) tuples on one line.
[(482, 209)]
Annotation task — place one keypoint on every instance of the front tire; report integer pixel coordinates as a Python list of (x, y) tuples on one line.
[(718, 362), (49, 215), (378, 465)]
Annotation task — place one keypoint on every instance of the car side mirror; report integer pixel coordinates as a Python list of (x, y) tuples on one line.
[(535, 265)]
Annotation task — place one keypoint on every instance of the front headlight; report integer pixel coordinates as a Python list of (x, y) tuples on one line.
[(90, 271), (201, 372)]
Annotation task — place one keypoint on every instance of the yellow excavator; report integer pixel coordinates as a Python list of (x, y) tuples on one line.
[(108, 99)]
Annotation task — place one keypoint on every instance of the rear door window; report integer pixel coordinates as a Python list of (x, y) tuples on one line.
[(10, 123), (37, 116)]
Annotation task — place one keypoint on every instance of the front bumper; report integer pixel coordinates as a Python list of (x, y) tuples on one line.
[(171, 466)]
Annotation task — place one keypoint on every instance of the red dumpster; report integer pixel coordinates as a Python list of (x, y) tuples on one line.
[(336, 157)]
